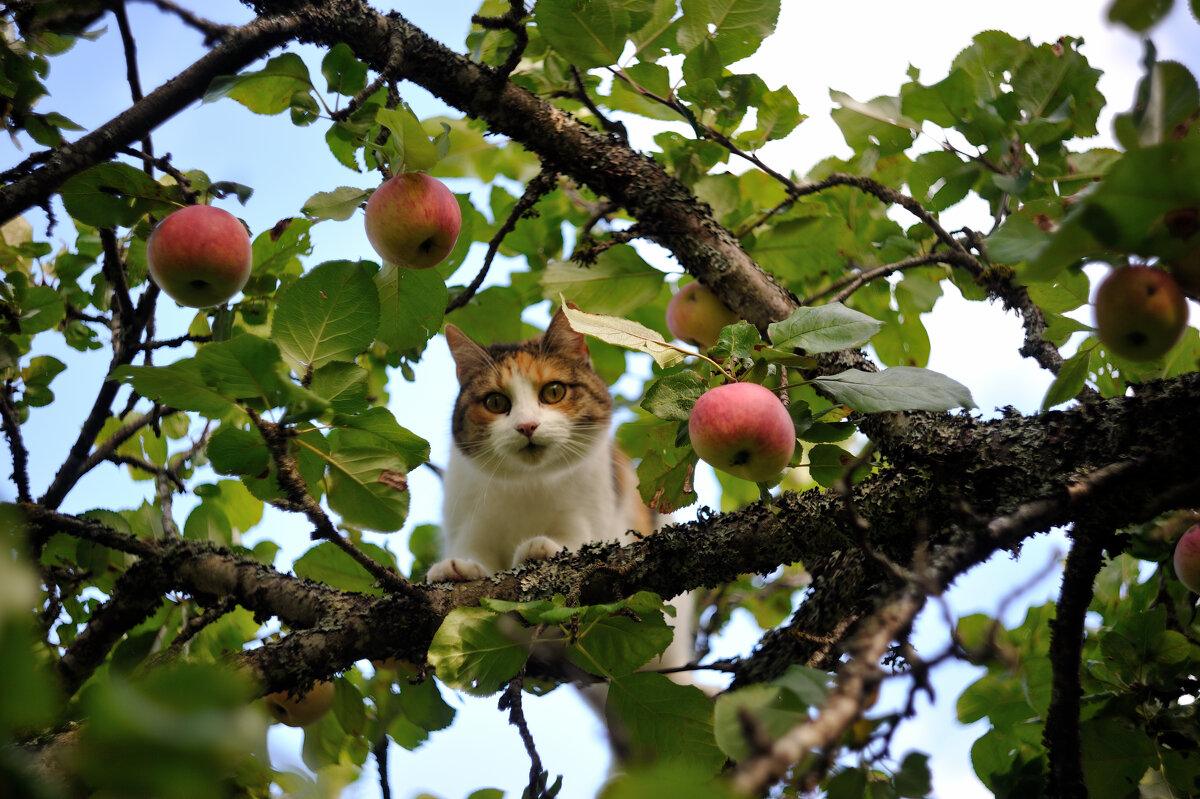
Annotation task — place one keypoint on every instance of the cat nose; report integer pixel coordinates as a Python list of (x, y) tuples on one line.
[(526, 429)]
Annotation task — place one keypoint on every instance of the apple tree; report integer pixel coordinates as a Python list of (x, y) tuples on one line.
[(605, 152)]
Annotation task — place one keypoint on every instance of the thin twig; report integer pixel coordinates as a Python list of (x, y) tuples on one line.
[(131, 71), (615, 128), (16, 444), (513, 20), (541, 185), (213, 31), (510, 700), (394, 60)]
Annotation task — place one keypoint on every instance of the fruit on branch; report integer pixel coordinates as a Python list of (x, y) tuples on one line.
[(1140, 312), (1187, 558), (696, 315), (744, 430), (200, 256), (413, 220), (300, 711)]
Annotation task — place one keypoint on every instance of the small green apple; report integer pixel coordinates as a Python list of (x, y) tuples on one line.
[(1187, 558), (300, 711), (743, 430), (1140, 312), (413, 220), (200, 256), (696, 315)]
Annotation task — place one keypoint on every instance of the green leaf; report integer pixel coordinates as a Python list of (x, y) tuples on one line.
[(328, 563), (588, 33), (736, 27), (40, 309), (662, 718), (615, 644), (478, 651), (914, 779), (766, 710), (343, 73), (1070, 379), (899, 388), (330, 314), (618, 283), (339, 204), (417, 152), (378, 428), (827, 463), (243, 368), (368, 487), (343, 384), (178, 385), (625, 333), (777, 115), (876, 124), (113, 195), (267, 91), (412, 305), (1125, 211), (672, 397), (1115, 756), (823, 328), (232, 450)]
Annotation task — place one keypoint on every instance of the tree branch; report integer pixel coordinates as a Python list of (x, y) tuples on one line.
[(1061, 734), (242, 47)]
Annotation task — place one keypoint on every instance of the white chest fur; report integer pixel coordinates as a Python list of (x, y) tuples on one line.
[(488, 516)]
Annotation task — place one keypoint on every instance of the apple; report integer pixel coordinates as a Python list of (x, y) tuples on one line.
[(300, 711), (413, 220), (1140, 312), (743, 430), (199, 255), (1186, 271), (1187, 558), (696, 315)]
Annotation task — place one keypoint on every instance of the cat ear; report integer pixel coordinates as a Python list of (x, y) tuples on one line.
[(562, 338), (468, 356)]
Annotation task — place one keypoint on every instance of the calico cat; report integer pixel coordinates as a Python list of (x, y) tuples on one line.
[(533, 469)]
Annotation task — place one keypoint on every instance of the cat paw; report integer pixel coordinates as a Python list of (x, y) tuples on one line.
[(538, 548), (457, 570)]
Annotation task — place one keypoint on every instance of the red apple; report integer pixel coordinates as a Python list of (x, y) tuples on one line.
[(1187, 558), (696, 315), (744, 430), (413, 220), (300, 711), (1140, 312), (200, 256)]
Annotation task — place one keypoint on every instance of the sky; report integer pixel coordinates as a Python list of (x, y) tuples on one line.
[(864, 49)]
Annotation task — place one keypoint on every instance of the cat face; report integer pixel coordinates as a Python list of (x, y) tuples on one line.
[(536, 405)]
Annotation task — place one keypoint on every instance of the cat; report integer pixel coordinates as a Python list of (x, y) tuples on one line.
[(533, 469)]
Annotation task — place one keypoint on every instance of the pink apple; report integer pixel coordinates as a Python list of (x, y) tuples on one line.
[(200, 256), (1140, 312), (743, 430), (696, 315), (413, 220), (1187, 559), (300, 711)]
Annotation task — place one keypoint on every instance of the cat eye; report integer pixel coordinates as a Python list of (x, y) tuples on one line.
[(497, 402), (553, 392)]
